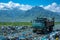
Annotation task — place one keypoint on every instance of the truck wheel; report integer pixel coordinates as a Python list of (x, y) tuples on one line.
[(39, 32), (50, 29), (45, 30), (34, 30)]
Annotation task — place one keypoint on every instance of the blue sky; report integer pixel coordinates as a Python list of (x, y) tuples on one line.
[(33, 2)]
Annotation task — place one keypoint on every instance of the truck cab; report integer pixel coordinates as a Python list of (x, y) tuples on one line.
[(44, 25)]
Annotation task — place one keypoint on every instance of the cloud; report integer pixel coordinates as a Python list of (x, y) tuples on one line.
[(11, 5), (41, 6), (25, 7), (53, 7)]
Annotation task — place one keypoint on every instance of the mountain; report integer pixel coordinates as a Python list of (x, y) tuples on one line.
[(11, 15), (40, 12), (17, 15)]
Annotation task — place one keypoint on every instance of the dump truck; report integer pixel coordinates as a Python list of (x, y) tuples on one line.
[(43, 25)]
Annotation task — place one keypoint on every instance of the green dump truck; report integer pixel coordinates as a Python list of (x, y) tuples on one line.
[(43, 25)]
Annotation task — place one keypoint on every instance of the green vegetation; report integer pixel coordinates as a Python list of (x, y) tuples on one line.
[(19, 23), (15, 23), (57, 22)]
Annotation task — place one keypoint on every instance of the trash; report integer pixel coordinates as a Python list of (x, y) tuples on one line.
[(17, 33)]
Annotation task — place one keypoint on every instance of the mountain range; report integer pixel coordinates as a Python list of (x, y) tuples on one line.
[(17, 15)]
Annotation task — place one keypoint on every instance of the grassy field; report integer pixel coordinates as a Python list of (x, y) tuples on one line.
[(57, 22), (19, 23), (15, 23)]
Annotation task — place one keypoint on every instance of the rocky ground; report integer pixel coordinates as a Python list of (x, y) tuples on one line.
[(24, 33)]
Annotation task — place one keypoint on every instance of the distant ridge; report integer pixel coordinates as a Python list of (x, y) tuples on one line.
[(17, 15)]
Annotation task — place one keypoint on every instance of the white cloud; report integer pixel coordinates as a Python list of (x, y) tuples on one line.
[(11, 5), (25, 7), (41, 6), (53, 7)]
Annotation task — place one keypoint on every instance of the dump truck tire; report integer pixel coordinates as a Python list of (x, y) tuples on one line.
[(50, 29), (34, 30)]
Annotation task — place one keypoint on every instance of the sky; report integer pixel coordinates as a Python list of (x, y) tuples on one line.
[(52, 5), (33, 2)]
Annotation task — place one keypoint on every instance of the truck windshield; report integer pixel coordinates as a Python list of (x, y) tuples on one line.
[(38, 23)]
